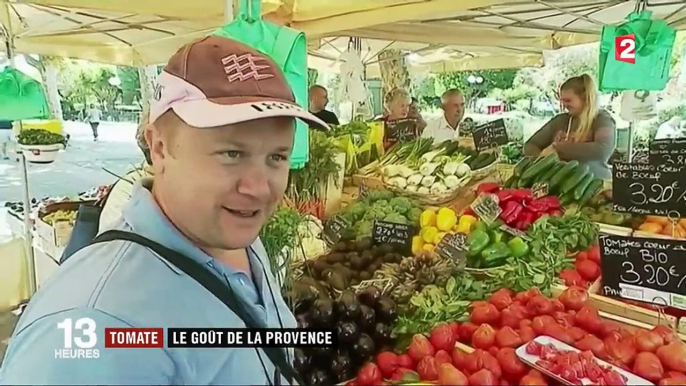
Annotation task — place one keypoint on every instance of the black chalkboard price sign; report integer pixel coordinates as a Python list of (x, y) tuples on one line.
[(490, 135), (334, 229), (396, 234), (644, 269), (401, 130), (453, 246), (649, 189), (668, 152)]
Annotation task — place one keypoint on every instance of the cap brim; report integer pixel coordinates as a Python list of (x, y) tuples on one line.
[(204, 113)]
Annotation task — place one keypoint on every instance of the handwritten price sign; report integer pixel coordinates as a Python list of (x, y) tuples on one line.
[(396, 234), (644, 269), (649, 189), (668, 151)]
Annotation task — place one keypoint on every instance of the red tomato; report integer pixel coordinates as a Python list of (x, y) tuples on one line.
[(540, 322), (449, 375), (648, 366), (484, 337), (667, 333), (527, 334), (577, 333), (420, 347), (592, 343), (525, 323), (466, 331), (442, 338), (485, 314), (387, 362), (574, 298), (501, 299), (475, 361), (493, 350), (524, 297), (529, 380), (442, 356), (558, 332), (513, 315), (459, 359), (507, 337), (455, 327), (482, 377), (571, 278), (368, 375), (588, 319), (510, 364), (622, 351), (427, 369), (581, 256), (608, 327), (540, 305), (673, 356), (564, 319), (645, 340), (405, 361), (588, 270), (676, 375), (594, 254)]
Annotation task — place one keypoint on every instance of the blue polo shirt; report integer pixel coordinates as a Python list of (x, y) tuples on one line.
[(122, 284)]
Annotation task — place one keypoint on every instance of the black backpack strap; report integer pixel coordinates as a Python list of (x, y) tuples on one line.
[(211, 283)]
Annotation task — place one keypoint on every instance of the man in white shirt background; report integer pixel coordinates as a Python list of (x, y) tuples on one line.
[(447, 125), (94, 115)]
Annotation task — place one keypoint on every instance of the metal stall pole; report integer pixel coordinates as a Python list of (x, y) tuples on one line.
[(28, 235)]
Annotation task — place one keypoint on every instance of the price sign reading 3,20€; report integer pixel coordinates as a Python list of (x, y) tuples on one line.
[(645, 189), (396, 234), (644, 269)]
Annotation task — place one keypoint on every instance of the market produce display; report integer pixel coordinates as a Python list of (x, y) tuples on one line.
[(599, 209), (68, 216), (434, 224), (570, 181), (40, 137), (586, 269), (508, 320), (379, 204), (511, 153)]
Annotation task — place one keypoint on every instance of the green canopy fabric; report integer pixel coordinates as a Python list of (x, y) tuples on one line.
[(288, 48), (21, 97)]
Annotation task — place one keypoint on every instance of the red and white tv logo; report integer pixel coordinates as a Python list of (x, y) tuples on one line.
[(625, 48)]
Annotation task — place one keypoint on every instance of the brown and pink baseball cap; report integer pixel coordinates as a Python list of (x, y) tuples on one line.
[(218, 81)]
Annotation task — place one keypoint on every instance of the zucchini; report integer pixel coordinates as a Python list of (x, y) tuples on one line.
[(562, 174), (539, 167), (511, 182), (580, 188), (574, 179), (591, 190), (477, 160), (551, 173), (522, 165), (566, 199)]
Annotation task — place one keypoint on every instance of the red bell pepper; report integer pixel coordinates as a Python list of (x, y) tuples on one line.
[(538, 206), (510, 212), (526, 218), (505, 195), (552, 201), (487, 187), (522, 195), (468, 211)]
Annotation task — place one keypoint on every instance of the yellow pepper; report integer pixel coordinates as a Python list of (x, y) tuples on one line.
[(427, 218), (438, 237), (429, 247), (429, 234), (446, 219), (465, 224), (417, 244)]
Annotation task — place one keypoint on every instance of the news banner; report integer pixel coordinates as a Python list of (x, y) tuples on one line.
[(81, 338)]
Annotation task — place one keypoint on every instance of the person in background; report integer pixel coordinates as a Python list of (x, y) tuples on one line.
[(319, 98), (397, 104), (446, 127), (5, 139), (670, 129), (93, 116), (415, 113), (584, 133)]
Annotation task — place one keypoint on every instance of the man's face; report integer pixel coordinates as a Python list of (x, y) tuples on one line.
[(219, 186), (319, 98), (453, 106)]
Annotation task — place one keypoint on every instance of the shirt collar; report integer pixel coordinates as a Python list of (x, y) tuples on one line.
[(446, 124)]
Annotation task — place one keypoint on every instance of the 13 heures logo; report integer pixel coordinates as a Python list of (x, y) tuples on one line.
[(625, 48), (80, 338)]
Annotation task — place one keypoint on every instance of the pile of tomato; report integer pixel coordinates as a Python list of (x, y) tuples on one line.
[(586, 268), (508, 320)]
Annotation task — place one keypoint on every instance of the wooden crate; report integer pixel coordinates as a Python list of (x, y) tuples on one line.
[(372, 181)]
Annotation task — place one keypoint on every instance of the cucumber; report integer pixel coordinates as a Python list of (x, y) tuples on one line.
[(511, 182), (522, 165), (574, 179), (566, 199), (591, 190), (563, 173), (551, 173), (580, 188), (477, 160), (539, 167)]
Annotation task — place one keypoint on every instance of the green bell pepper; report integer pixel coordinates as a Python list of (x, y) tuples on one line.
[(518, 247), (497, 236), (495, 255), (477, 241), (496, 225), (479, 226)]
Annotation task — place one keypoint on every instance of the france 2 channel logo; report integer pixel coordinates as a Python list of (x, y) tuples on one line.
[(82, 334), (625, 48)]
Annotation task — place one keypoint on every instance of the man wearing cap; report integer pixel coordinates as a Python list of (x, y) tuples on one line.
[(221, 131)]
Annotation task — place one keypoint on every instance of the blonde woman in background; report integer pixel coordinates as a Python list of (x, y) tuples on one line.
[(122, 189), (397, 104), (584, 133)]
